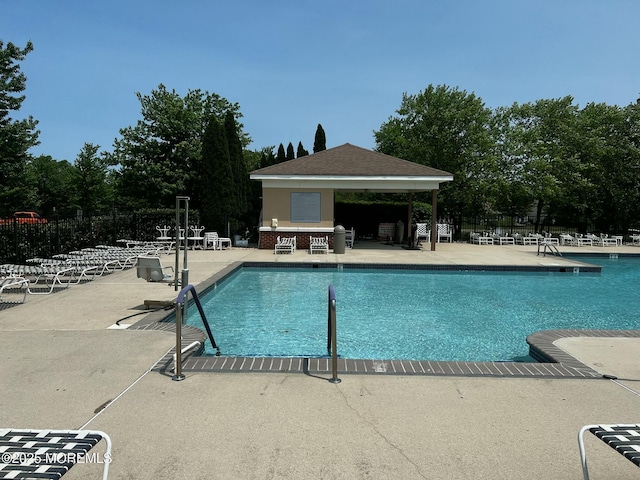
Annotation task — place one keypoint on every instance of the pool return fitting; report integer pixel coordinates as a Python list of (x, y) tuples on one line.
[(332, 347)]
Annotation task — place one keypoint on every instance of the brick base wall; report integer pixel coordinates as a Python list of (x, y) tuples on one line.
[(268, 239)]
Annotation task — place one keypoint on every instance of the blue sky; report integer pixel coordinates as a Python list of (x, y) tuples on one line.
[(292, 64)]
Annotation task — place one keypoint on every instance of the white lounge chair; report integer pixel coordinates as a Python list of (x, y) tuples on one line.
[(13, 284), (481, 238), (318, 244), (151, 269), (285, 245)]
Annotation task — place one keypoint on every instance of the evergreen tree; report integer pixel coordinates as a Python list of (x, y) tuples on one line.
[(320, 142), (301, 151), (281, 156), (290, 153), (240, 175), (90, 172), (267, 158), (16, 136), (215, 186)]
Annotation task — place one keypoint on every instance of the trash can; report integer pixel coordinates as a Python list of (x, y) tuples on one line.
[(339, 239), (399, 231)]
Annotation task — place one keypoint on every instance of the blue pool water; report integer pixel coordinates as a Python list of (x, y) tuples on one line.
[(415, 315)]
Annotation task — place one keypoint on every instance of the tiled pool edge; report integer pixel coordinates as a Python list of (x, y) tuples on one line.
[(555, 362)]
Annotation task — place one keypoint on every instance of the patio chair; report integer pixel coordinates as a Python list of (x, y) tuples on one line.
[(319, 244), (350, 237), (444, 232), (50, 453), (211, 239), (285, 245), (623, 438), (163, 233), (196, 237), (422, 232), (151, 269)]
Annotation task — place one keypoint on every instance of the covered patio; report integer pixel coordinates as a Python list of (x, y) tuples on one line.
[(298, 195)]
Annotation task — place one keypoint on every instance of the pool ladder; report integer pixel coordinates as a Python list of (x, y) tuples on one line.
[(181, 303), (548, 246)]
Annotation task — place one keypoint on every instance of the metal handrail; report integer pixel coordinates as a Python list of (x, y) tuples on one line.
[(332, 346), (180, 304)]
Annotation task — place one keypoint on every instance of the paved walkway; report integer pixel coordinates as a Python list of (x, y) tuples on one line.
[(63, 368)]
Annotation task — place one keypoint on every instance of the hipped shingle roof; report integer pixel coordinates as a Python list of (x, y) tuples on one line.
[(350, 161)]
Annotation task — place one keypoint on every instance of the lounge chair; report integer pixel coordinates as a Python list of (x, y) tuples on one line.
[(50, 453), (422, 232), (13, 284), (151, 269), (318, 244), (623, 438), (50, 276), (285, 245), (481, 238)]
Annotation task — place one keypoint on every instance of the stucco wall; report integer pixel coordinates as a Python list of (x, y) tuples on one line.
[(276, 204)]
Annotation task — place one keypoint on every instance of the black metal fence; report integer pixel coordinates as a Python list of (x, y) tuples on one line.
[(18, 242), (522, 225)]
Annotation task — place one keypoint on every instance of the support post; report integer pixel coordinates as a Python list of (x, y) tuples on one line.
[(177, 373), (434, 219)]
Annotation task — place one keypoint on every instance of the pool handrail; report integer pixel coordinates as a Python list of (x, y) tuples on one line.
[(332, 346), (180, 301)]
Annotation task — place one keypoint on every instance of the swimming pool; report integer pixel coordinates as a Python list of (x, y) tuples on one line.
[(415, 315)]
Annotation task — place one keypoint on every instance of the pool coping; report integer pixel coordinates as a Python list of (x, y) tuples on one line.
[(553, 361)]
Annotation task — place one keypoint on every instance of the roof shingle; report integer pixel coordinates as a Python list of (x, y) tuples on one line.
[(349, 160)]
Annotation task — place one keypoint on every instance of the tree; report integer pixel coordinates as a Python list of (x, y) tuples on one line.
[(320, 141), (54, 180), (447, 129), (215, 178), (238, 167), (267, 158), (281, 156), (92, 192), (156, 157), (16, 136), (537, 157), (290, 153), (301, 152)]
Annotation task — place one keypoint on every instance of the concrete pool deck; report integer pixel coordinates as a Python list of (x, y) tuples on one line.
[(63, 368)]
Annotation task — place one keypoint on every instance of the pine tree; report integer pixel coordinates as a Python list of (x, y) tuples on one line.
[(216, 178), (320, 142), (290, 153), (281, 156), (301, 151), (239, 169)]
